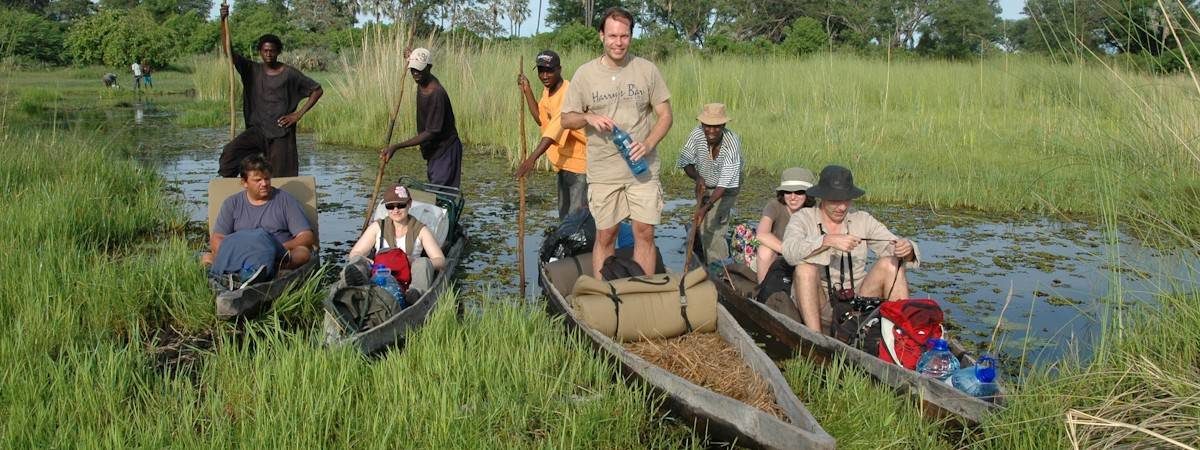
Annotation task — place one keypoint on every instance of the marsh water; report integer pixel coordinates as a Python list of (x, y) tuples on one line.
[(1054, 275)]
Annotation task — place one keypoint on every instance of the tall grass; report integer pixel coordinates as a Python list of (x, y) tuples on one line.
[(1005, 134)]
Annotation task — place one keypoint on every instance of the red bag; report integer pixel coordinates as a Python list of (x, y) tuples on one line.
[(396, 261), (907, 326)]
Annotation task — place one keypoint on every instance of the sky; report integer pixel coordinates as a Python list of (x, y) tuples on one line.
[(1009, 9)]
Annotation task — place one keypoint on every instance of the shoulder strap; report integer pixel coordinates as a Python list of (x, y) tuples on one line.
[(387, 232), (616, 299), (414, 232)]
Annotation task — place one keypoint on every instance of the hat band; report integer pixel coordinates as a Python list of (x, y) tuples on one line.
[(793, 183)]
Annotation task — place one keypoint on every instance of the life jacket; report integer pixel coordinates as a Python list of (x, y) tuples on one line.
[(392, 256), (906, 326)]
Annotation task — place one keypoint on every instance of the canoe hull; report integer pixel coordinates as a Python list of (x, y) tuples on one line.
[(257, 298)]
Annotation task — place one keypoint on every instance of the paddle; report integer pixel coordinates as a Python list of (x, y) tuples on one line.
[(521, 181), (229, 61), (387, 140)]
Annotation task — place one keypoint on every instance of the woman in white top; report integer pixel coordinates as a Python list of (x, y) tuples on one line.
[(406, 233)]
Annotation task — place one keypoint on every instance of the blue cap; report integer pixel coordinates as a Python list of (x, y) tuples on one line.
[(985, 370), (939, 344)]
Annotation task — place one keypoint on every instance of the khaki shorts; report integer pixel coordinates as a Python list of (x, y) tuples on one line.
[(610, 203)]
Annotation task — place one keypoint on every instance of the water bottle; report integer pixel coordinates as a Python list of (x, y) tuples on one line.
[(623, 142), (937, 362), (384, 279), (978, 381)]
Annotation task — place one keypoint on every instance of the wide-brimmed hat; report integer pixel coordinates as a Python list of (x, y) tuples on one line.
[(713, 114), (795, 179), (395, 194), (836, 183), (419, 59)]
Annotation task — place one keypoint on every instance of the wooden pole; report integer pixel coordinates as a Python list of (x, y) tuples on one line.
[(229, 62), (387, 140), (521, 185)]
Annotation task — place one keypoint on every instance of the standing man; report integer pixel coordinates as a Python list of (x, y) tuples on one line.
[(436, 132), (712, 157), (137, 74), (828, 246), (618, 89), (567, 148), (271, 90)]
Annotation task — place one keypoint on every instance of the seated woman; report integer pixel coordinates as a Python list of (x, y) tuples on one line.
[(397, 230), (790, 196)]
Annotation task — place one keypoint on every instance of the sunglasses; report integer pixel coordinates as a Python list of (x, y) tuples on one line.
[(794, 192), (391, 206)]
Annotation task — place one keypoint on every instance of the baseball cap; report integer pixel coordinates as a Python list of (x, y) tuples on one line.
[(419, 59), (547, 59)]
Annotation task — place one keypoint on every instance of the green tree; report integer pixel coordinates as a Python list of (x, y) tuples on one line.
[(321, 16), (193, 34), (692, 19), (960, 28), (28, 35), (805, 36), (36, 6), (249, 19), (118, 38), (563, 12), (67, 11)]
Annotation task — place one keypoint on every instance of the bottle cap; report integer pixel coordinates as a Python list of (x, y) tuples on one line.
[(985, 370), (939, 344)]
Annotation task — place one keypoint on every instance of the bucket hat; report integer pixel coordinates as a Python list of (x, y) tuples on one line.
[(713, 114), (795, 179), (836, 184)]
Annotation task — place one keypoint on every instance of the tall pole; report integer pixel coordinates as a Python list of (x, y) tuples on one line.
[(229, 62), (387, 139), (521, 186)]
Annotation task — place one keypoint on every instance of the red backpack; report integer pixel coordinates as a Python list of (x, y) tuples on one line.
[(396, 261), (907, 325)]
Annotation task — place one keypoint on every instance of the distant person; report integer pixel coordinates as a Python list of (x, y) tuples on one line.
[(399, 230), (437, 135), (263, 225), (618, 89), (146, 75), (567, 149), (712, 157), (271, 91), (826, 244), (137, 74), (110, 80)]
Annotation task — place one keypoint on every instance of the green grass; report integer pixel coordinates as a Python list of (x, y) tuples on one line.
[(1003, 134)]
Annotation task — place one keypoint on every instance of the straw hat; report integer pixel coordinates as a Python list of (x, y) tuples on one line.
[(713, 114)]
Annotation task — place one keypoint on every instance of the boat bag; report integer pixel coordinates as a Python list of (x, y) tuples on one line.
[(905, 327), (575, 235), (358, 308), (649, 307)]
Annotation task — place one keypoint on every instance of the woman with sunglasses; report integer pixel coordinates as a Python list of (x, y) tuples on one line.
[(790, 196), (407, 234)]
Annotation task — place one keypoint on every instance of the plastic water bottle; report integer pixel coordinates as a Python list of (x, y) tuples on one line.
[(623, 142), (978, 381), (384, 279), (937, 362)]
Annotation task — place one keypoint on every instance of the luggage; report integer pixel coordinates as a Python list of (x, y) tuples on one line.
[(565, 271), (640, 308), (358, 308), (905, 327)]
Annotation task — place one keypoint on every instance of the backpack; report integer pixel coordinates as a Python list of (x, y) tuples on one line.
[(617, 267), (905, 327), (358, 308), (396, 261)]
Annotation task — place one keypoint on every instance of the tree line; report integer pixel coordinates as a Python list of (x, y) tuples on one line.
[(1152, 34)]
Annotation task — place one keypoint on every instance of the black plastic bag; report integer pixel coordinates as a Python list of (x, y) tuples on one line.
[(575, 235)]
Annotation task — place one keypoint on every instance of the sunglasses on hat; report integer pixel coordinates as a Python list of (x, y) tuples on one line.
[(397, 205)]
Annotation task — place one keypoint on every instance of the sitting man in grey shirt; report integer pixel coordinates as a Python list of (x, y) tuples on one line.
[(260, 230)]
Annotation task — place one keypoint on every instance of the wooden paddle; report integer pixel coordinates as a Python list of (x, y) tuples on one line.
[(387, 140), (521, 182), (229, 61)]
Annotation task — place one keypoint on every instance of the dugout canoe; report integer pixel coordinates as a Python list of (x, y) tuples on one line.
[(249, 302), (720, 417), (940, 400), (393, 331)]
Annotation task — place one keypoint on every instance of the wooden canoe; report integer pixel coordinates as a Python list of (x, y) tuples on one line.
[(940, 399), (393, 331), (232, 304), (720, 417)]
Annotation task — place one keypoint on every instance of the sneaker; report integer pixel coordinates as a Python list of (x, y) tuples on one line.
[(354, 275), (249, 277)]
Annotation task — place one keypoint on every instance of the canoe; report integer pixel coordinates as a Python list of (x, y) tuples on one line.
[(940, 400), (393, 331), (720, 417), (232, 304)]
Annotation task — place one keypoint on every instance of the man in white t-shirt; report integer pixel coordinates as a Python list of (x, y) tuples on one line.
[(620, 90), (137, 75)]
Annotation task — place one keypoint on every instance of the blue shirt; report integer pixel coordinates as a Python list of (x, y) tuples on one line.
[(282, 216)]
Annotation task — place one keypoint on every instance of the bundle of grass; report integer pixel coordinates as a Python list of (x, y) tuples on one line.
[(709, 361)]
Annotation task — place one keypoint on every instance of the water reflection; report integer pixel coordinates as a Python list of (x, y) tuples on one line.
[(1055, 276)]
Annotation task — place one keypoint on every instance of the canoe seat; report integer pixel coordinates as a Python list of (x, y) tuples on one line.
[(303, 188)]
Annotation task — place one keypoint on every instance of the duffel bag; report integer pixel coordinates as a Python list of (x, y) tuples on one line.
[(638, 308)]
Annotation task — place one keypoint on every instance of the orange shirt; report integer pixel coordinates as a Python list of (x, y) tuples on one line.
[(569, 151)]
